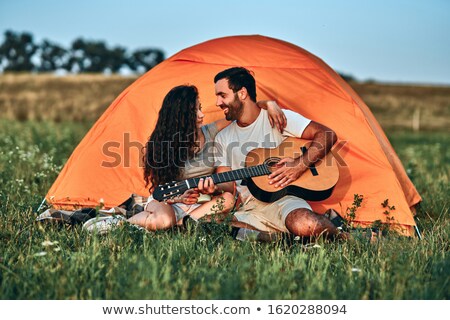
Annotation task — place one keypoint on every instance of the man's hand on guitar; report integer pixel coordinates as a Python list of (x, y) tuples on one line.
[(188, 197), (288, 171)]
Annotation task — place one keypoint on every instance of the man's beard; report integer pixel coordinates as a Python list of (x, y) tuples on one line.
[(235, 109)]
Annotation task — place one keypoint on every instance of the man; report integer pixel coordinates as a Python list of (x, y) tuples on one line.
[(235, 90)]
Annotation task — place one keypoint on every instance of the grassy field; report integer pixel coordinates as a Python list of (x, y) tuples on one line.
[(46, 97), (58, 262)]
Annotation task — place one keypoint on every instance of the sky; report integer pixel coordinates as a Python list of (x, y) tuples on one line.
[(401, 41)]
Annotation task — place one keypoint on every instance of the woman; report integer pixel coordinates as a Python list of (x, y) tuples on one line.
[(179, 148)]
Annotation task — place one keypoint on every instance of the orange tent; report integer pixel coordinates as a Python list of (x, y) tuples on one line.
[(106, 166)]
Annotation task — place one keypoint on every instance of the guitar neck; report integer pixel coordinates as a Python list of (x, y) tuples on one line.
[(233, 175)]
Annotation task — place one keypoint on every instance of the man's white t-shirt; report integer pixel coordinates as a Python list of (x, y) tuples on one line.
[(234, 142)]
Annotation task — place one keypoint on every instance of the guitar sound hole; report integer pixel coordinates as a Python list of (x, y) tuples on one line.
[(272, 162)]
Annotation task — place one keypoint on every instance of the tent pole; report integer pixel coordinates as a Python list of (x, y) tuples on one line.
[(418, 232), (40, 206)]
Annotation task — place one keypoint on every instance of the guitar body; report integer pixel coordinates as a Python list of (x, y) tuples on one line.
[(315, 184)]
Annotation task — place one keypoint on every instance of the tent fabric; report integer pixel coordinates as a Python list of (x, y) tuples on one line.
[(106, 167)]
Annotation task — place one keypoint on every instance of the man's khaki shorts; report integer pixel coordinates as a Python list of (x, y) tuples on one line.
[(270, 217)]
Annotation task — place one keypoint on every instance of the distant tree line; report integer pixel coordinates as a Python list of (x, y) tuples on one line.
[(347, 77), (19, 52)]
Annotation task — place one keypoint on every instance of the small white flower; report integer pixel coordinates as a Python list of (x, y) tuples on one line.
[(57, 249), (40, 254), (310, 246), (48, 243), (356, 270), (297, 238), (203, 239)]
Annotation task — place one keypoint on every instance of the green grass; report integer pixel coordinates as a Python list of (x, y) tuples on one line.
[(197, 264)]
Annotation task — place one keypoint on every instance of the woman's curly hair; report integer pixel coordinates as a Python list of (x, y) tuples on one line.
[(174, 139)]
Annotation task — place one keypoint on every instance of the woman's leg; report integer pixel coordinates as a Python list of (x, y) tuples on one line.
[(157, 216), (220, 204)]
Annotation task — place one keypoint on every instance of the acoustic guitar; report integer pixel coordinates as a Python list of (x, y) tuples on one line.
[(315, 184)]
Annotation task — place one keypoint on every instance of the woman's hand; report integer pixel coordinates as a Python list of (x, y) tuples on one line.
[(276, 115), (206, 186), (188, 197)]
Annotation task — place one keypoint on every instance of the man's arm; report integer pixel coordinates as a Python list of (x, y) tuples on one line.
[(323, 138)]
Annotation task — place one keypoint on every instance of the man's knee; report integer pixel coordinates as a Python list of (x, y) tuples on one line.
[(304, 222), (297, 221)]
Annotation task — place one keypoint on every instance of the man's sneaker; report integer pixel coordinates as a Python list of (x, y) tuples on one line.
[(102, 225)]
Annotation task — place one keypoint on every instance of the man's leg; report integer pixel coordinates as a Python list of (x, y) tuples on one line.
[(244, 231), (306, 223)]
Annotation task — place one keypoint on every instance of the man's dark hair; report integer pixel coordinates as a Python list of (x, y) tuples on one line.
[(238, 77)]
